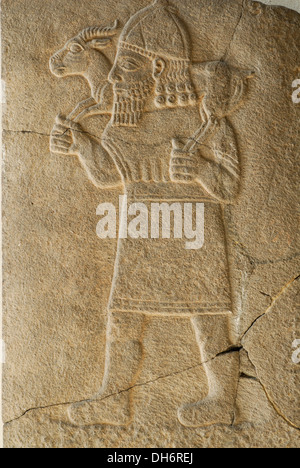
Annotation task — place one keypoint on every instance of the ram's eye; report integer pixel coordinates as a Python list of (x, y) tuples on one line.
[(75, 48)]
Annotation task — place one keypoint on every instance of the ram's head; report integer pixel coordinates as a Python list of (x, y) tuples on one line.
[(79, 52)]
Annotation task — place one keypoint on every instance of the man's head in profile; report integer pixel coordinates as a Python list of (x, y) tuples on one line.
[(152, 66)]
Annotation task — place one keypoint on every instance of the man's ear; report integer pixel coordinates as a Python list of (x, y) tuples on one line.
[(159, 66), (100, 44)]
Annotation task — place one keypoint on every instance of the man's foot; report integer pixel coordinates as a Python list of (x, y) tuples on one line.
[(207, 412), (113, 410)]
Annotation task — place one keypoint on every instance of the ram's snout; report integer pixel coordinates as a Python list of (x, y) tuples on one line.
[(56, 64)]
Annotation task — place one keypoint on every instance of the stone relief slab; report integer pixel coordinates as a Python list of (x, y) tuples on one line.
[(151, 250)]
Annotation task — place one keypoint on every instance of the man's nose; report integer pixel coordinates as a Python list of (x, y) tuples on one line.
[(115, 75)]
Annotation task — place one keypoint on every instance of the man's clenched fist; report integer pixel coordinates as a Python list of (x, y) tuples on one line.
[(64, 136), (183, 164)]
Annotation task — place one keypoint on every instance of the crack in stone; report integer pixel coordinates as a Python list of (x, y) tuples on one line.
[(142, 384), (84, 132), (266, 295), (248, 377), (234, 409), (235, 31), (273, 302), (242, 375), (255, 261), (40, 408), (231, 349), (32, 132), (242, 340), (272, 403)]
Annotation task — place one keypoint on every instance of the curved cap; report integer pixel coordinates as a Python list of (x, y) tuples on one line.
[(156, 31)]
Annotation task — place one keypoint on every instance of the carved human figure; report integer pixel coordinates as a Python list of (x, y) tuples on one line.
[(160, 147)]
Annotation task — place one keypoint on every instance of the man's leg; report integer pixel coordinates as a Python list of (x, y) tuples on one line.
[(124, 353), (222, 370)]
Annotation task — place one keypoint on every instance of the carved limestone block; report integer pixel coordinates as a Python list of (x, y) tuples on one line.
[(151, 246)]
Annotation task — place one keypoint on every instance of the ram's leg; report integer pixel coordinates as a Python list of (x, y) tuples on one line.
[(80, 107), (112, 405), (99, 109), (221, 363)]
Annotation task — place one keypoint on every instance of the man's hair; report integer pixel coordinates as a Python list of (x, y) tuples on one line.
[(174, 87)]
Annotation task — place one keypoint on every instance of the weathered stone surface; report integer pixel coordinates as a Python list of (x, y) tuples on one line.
[(143, 342)]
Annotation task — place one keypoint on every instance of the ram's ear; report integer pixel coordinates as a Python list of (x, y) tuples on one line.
[(100, 43)]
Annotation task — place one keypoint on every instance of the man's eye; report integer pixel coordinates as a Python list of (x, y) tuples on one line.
[(75, 48), (129, 65)]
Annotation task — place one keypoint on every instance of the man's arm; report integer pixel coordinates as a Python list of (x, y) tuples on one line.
[(214, 164), (68, 138)]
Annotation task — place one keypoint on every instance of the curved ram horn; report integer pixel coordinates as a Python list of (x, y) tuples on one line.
[(91, 33)]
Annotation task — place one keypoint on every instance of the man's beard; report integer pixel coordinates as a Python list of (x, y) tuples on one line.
[(129, 104)]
